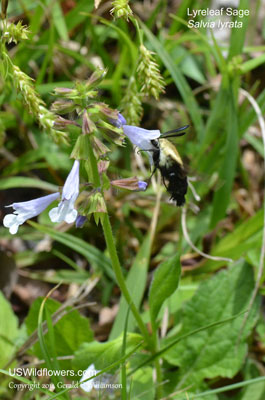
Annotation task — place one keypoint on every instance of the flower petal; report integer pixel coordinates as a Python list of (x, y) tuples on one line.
[(71, 216), (13, 229), (64, 212), (27, 209), (9, 220), (71, 186), (54, 214), (35, 206), (141, 137)]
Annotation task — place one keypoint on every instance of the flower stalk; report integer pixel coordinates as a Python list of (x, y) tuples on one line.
[(120, 278), (109, 239)]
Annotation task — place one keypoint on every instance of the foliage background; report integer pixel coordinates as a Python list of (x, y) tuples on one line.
[(223, 149)]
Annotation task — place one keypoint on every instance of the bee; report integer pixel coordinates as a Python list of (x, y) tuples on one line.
[(167, 159)]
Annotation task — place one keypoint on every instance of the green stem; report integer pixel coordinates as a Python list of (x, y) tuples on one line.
[(114, 256), (120, 278), (159, 393), (139, 31)]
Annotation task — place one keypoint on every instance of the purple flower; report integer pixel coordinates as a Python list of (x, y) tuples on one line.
[(80, 221), (26, 210), (141, 137), (142, 185), (118, 122), (65, 210)]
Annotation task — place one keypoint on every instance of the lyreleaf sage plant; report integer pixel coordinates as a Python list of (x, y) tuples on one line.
[(95, 126), (26, 210)]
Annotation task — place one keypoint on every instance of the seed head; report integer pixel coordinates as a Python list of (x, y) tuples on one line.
[(152, 83)]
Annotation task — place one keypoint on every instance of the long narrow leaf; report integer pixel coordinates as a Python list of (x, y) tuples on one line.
[(135, 282), (91, 253)]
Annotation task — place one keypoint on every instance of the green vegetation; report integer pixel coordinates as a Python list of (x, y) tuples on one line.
[(160, 301)]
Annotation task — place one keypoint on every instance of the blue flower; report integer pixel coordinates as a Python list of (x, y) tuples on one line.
[(142, 185), (26, 210), (118, 122), (65, 210), (80, 221), (141, 137)]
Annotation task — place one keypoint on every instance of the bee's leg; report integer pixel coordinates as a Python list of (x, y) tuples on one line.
[(149, 179), (164, 182)]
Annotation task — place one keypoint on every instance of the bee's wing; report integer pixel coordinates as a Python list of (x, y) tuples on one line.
[(174, 133)]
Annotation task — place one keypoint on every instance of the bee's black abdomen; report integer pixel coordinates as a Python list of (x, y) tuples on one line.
[(177, 184), (168, 161)]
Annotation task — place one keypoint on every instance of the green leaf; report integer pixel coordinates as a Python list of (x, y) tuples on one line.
[(59, 22), (8, 330), (215, 352), (28, 382), (24, 162), (215, 122), (135, 282), (228, 167), (91, 253), (238, 34), (253, 392), (23, 181), (142, 386), (235, 244), (104, 354), (174, 302), (252, 64), (164, 284), (229, 388), (69, 332), (187, 62)]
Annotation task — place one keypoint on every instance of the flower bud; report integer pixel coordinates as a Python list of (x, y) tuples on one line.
[(62, 106), (81, 148), (99, 148), (130, 184), (97, 206), (97, 76), (103, 165), (80, 221), (119, 121)]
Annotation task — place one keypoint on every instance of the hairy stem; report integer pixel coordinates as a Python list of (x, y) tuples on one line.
[(109, 239)]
